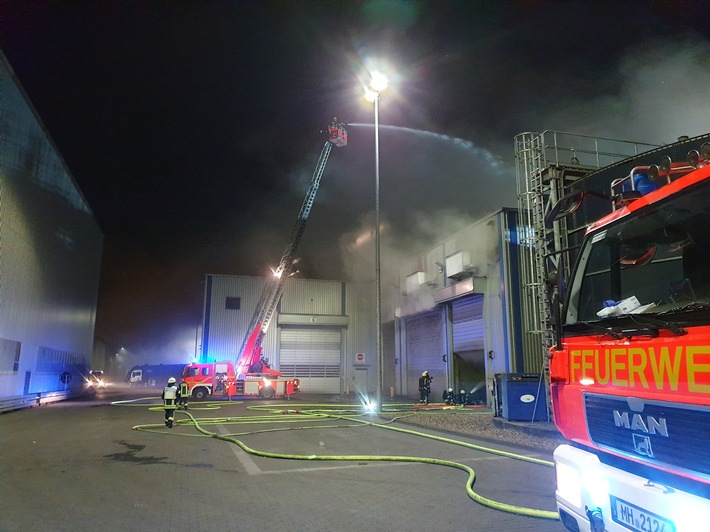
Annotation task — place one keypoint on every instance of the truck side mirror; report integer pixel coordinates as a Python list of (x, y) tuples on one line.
[(569, 203)]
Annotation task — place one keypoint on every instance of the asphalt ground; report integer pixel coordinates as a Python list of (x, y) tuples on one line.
[(82, 465)]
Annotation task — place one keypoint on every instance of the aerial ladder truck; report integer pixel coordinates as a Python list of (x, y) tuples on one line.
[(252, 374)]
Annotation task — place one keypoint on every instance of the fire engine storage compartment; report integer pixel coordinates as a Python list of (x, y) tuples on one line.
[(521, 397)]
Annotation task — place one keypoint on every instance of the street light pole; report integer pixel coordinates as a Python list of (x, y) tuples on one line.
[(378, 281), (378, 83)]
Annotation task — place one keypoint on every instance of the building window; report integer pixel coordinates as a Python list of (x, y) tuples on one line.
[(16, 365), (9, 356), (233, 303)]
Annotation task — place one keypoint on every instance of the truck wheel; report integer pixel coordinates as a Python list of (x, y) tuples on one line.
[(199, 394), (267, 393)]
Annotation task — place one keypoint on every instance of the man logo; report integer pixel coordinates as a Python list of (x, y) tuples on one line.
[(647, 424)]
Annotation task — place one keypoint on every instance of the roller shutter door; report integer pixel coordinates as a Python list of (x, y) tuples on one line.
[(425, 347), (313, 355), (468, 323)]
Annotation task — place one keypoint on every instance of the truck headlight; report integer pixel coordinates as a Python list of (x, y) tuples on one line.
[(569, 484), (597, 486)]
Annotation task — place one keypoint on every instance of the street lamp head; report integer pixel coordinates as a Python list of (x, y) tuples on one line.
[(378, 81), (370, 95)]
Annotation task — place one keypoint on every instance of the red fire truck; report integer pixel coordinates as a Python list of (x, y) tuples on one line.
[(630, 371), (220, 380)]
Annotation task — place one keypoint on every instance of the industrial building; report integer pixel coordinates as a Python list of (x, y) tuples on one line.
[(323, 332), (50, 256), (458, 316)]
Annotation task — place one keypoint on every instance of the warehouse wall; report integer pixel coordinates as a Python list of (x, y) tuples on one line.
[(50, 254)]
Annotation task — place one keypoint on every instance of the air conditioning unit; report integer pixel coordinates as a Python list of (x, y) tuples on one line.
[(458, 265)]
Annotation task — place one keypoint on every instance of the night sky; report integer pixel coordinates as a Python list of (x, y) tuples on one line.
[(193, 128)]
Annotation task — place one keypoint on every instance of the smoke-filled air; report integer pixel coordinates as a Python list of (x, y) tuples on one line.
[(193, 129)]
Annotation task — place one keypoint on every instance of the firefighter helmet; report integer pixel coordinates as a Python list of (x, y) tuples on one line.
[(171, 380), (425, 374)]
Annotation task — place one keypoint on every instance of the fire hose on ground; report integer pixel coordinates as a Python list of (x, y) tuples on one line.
[(314, 413)]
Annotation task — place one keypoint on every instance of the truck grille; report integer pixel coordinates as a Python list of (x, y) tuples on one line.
[(651, 431)]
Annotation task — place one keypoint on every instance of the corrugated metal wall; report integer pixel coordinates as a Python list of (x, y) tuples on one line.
[(224, 329), (303, 296), (50, 249), (360, 339)]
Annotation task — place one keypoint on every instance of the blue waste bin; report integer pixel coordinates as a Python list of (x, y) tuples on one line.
[(523, 397)]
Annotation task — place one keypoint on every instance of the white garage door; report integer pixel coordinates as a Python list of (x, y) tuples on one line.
[(312, 355)]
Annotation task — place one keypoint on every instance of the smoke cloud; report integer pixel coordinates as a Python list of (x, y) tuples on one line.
[(662, 95)]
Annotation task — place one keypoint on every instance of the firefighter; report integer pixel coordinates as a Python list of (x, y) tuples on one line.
[(448, 396), (424, 388), (170, 396), (184, 394), (460, 398)]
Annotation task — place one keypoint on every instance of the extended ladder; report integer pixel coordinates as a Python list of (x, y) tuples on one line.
[(250, 351)]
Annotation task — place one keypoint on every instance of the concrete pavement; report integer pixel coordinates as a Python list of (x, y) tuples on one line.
[(81, 466)]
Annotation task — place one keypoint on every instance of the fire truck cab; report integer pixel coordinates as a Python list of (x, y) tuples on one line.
[(630, 371)]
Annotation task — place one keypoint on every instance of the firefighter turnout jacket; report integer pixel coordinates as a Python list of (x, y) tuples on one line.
[(170, 395)]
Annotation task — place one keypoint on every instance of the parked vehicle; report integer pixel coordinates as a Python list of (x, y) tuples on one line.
[(153, 375), (96, 379)]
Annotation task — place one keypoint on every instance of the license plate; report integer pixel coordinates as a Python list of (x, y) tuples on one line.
[(638, 519)]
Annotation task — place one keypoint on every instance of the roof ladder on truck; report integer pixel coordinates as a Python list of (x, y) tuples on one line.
[(250, 352)]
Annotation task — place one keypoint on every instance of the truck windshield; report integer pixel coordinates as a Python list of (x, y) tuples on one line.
[(653, 260)]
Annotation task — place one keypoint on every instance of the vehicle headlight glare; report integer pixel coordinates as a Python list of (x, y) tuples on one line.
[(685, 514), (569, 485), (597, 486)]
